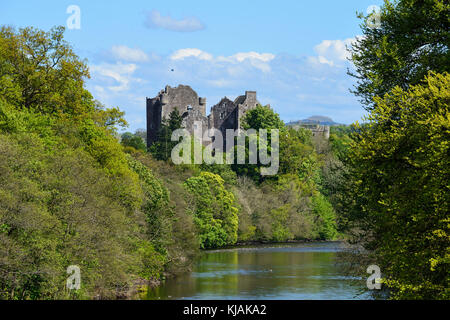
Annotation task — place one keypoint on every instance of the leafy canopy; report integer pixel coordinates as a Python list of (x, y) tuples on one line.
[(401, 167), (412, 40)]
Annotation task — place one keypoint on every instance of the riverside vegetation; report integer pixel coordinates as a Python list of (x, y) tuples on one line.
[(73, 193)]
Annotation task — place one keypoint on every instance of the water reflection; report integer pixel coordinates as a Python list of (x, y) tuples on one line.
[(295, 271)]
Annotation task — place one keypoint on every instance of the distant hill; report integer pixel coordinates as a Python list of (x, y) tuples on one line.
[(322, 120)]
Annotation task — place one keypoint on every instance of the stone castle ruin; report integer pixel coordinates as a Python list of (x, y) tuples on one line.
[(316, 129), (224, 115)]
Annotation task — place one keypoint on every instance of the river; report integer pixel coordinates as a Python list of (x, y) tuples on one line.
[(285, 271)]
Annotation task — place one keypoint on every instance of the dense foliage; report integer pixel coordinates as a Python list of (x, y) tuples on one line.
[(412, 40), (72, 194), (161, 149), (214, 210), (288, 205), (401, 162), (392, 194), (69, 194), (134, 141)]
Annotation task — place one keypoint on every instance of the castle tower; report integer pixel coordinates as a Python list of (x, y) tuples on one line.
[(183, 99), (245, 103), (154, 111), (327, 132), (250, 97), (202, 104)]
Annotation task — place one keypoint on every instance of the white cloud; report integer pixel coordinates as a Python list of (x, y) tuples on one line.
[(220, 83), (320, 60), (333, 52), (155, 20), (191, 52), (298, 86), (241, 56), (257, 60), (129, 54), (119, 75), (325, 61)]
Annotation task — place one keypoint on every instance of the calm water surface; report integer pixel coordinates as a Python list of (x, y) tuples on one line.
[(288, 271)]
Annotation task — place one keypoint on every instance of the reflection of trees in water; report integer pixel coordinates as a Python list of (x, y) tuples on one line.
[(352, 262), (263, 272)]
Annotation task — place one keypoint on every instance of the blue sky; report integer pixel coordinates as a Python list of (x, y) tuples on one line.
[(292, 52)]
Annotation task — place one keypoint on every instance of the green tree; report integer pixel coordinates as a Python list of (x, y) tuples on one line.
[(413, 39), (260, 117), (297, 157), (340, 138), (131, 140), (109, 118), (40, 71), (214, 210), (161, 149), (59, 208), (325, 222), (400, 165), (69, 194)]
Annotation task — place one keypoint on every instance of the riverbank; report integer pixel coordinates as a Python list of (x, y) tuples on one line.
[(138, 288), (243, 243), (264, 243)]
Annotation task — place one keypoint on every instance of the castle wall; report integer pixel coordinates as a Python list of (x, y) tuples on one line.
[(181, 98), (231, 122), (153, 119), (192, 119), (224, 115), (221, 111)]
